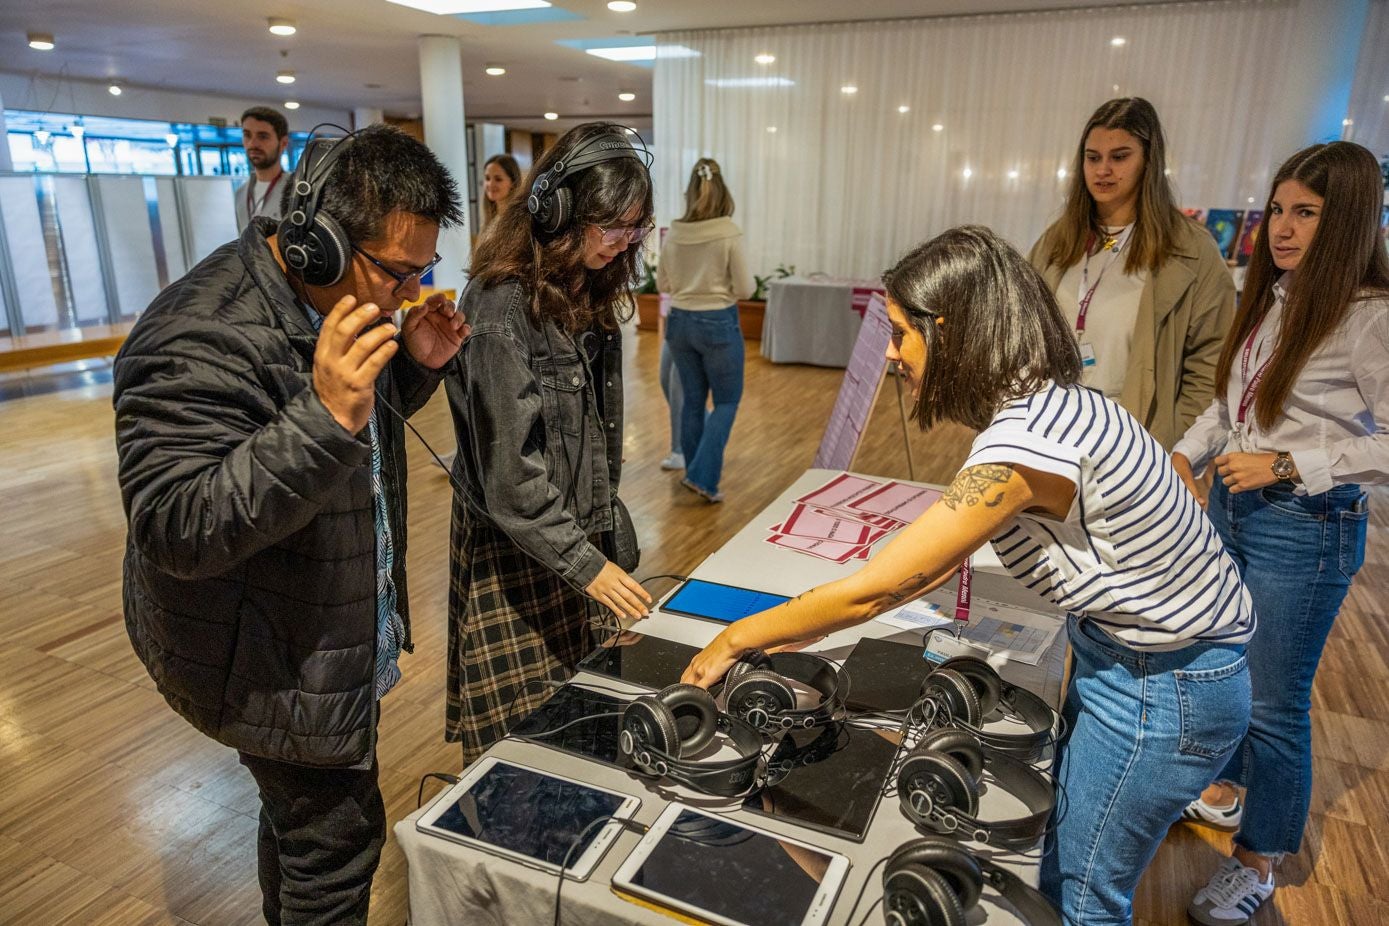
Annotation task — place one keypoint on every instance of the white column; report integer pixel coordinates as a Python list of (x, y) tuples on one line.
[(1316, 70), (441, 85), (5, 162), (363, 116)]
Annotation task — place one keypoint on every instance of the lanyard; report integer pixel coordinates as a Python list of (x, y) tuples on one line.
[(251, 207), (1087, 292), (1251, 387), (963, 595)]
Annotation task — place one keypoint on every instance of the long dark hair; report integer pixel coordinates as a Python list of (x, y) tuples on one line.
[(1001, 334), (1345, 261), (1158, 220), (513, 170), (551, 267)]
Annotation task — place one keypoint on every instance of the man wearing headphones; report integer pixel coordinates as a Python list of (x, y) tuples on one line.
[(259, 403)]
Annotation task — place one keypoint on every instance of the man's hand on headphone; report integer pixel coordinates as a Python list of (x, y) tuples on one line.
[(434, 330)]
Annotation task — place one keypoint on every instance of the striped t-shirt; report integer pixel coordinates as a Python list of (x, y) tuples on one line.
[(1136, 553)]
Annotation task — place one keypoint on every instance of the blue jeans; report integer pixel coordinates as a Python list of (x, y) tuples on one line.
[(1147, 732), (675, 396), (708, 352), (1297, 555)]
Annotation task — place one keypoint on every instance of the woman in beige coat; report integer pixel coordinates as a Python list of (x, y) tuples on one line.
[(1145, 289)]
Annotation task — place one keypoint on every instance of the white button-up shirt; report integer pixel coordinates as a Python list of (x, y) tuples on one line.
[(1336, 417)]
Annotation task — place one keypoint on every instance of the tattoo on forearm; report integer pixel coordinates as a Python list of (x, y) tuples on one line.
[(909, 587), (978, 484)]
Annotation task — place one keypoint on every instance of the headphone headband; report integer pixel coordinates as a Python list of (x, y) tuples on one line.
[(754, 693), (315, 247), (951, 866), (723, 778), (550, 203)]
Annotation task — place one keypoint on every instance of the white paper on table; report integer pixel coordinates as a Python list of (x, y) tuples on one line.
[(832, 550), (897, 500), (918, 615), (806, 521), (1017, 634), (839, 491)]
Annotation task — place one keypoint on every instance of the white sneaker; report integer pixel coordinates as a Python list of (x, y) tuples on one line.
[(1231, 896), (674, 461), (1221, 818)]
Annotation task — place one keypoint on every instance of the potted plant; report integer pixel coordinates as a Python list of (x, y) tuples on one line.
[(648, 297)]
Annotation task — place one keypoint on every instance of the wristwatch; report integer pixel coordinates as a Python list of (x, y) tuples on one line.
[(1282, 466)]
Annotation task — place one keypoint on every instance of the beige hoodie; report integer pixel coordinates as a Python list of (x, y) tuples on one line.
[(702, 265)]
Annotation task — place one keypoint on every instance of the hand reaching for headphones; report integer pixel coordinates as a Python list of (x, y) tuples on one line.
[(619, 592), (348, 359), (434, 330)]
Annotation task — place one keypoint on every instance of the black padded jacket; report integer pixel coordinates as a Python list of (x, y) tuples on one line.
[(250, 566)]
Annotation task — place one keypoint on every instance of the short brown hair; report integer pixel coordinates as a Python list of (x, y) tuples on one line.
[(273, 116)]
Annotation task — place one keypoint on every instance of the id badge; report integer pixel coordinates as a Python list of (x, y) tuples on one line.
[(1087, 355)]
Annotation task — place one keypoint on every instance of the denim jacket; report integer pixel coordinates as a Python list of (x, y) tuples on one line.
[(536, 456)]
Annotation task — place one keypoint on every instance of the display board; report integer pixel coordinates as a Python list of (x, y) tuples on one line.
[(859, 391)]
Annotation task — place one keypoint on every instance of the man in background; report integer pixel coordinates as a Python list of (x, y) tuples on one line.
[(264, 135)]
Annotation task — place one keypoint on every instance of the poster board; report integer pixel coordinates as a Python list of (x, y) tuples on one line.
[(858, 393)]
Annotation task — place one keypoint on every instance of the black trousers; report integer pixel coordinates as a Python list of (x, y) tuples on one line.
[(321, 833)]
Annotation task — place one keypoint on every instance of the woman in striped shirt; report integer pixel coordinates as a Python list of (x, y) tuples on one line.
[(1082, 506), (1297, 426)]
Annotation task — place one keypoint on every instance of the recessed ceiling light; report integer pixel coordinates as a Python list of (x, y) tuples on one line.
[(114, 89), (765, 58), (621, 6), (495, 70), (1118, 41), (904, 109), (937, 127), (552, 116), (1251, 199), (455, 7), (42, 136), (849, 89), (772, 129), (774, 81), (625, 53), (285, 77), (291, 104), (967, 173), (626, 96), (1012, 175), (1386, 97), (41, 41), (1061, 173), (282, 26), (171, 140)]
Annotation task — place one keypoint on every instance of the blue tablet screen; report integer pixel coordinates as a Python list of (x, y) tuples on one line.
[(726, 603)]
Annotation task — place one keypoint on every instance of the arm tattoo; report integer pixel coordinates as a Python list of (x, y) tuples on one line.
[(977, 484), (909, 587)]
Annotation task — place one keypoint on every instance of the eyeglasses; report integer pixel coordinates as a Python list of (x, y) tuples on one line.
[(402, 280), (633, 235)]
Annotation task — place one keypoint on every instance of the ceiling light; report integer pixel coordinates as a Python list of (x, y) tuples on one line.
[(937, 127), (765, 58), (625, 53), (114, 89), (282, 26), (76, 131), (967, 173), (750, 82), (552, 116), (1118, 41), (42, 136), (291, 104), (904, 109), (495, 70), (626, 96), (285, 77), (171, 139), (1012, 175), (1386, 97), (1061, 174), (455, 7), (772, 129), (1167, 172), (41, 41), (849, 89), (621, 6), (1251, 199)]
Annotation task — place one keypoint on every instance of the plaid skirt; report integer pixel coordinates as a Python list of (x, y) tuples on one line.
[(512, 622)]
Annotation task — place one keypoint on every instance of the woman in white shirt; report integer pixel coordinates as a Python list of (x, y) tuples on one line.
[(1297, 426), (1082, 506), (703, 269), (1145, 289)]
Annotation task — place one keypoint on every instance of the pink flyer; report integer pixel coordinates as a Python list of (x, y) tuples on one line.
[(897, 500)]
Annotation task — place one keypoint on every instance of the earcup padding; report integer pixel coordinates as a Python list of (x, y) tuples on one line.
[(556, 207), (651, 724), (983, 676), (947, 782), (960, 745), (752, 659), (694, 718), (957, 693), (917, 896), (947, 858), (326, 251), (760, 689)]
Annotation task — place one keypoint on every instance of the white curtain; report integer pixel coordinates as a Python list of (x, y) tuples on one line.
[(844, 183), (1369, 96)]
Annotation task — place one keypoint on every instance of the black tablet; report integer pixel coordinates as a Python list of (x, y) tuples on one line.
[(884, 676), (578, 721), (717, 602), (639, 659)]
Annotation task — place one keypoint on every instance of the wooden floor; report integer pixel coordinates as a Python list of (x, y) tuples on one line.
[(113, 810)]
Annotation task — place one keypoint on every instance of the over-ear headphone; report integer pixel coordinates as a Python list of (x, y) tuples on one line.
[(551, 202), (313, 244), (998, 698), (938, 788), (947, 696), (933, 881), (757, 690), (661, 732)]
